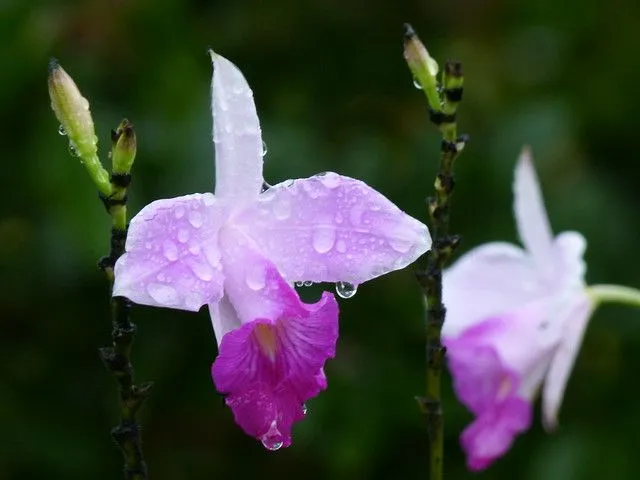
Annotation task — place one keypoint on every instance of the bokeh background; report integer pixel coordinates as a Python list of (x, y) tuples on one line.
[(333, 93)]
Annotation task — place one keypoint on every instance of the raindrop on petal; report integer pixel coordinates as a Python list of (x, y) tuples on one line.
[(170, 250), (281, 209), (417, 84), (400, 245), (201, 270), (308, 283), (346, 290), (179, 212), (299, 284), (61, 130), (330, 180), (324, 237), (341, 246), (304, 409), (73, 151), (183, 235), (264, 148), (163, 294), (255, 277), (195, 218)]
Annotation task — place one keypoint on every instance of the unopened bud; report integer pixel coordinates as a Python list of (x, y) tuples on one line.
[(123, 151), (72, 111), (423, 67)]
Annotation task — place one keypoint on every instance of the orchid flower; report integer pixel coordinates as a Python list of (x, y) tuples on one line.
[(240, 252), (515, 319)]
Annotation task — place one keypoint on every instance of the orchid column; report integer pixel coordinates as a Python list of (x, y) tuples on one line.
[(443, 102)]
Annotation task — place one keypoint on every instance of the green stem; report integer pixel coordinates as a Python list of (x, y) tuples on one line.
[(614, 294)]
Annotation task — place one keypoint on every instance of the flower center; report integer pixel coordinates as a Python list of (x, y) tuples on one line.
[(504, 388), (266, 336)]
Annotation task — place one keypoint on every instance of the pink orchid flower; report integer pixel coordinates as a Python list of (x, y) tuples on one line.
[(515, 319), (240, 252)]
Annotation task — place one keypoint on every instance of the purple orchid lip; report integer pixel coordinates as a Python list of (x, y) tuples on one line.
[(515, 320), (241, 250)]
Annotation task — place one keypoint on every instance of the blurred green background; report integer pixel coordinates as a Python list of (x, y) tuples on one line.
[(333, 93)]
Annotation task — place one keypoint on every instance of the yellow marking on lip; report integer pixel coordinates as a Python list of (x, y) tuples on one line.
[(504, 388), (267, 339)]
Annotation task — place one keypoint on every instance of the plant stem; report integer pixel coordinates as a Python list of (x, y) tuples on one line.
[(443, 246), (615, 294), (117, 357)]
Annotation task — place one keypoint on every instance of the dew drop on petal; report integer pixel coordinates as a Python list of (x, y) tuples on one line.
[(264, 148), (179, 212), (163, 294), (400, 245), (208, 200), (194, 249), (170, 250), (304, 409), (195, 219), (61, 130), (255, 277), (330, 180), (341, 246), (346, 290), (324, 237), (282, 209), (417, 84), (73, 151), (183, 235), (201, 270), (299, 284), (308, 283), (193, 301)]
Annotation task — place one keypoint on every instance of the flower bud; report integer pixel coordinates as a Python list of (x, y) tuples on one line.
[(423, 67), (72, 111), (123, 151)]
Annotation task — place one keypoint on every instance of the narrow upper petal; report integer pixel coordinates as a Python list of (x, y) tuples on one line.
[(331, 228), (273, 362), (236, 134), (171, 258), (487, 281), (580, 309), (224, 317), (531, 216)]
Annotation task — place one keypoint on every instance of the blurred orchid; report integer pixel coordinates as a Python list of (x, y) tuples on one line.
[(515, 319), (240, 252)]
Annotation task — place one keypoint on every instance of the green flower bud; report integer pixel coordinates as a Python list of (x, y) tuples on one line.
[(123, 150), (423, 67)]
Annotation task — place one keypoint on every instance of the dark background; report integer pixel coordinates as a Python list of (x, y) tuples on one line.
[(333, 93)]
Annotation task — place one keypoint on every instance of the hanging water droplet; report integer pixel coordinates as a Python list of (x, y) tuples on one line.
[(416, 84), (62, 131), (179, 212), (264, 148), (330, 180), (346, 290), (299, 284), (304, 409), (170, 250), (323, 238), (281, 209), (308, 283), (195, 218), (272, 440)]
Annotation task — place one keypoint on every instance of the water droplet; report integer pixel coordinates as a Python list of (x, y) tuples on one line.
[(195, 218), (73, 151), (163, 294), (183, 235), (193, 301), (417, 84), (264, 148), (170, 250), (61, 130), (148, 245), (208, 200), (179, 212), (281, 209), (308, 283), (341, 246), (272, 440), (304, 409), (299, 284), (201, 270), (255, 277), (330, 180), (400, 245), (323, 238), (346, 290), (355, 215), (194, 249)]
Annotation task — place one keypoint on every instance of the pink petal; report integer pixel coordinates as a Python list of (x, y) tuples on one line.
[(273, 363), (236, 134), (491, 435), (487, 281), (531, 216), (332, 228), (555, 384), (171, 257)]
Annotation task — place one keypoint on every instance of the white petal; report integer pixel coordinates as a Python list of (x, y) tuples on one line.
[(224, 317), (236, 134), (531, 216)]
